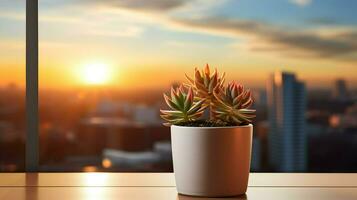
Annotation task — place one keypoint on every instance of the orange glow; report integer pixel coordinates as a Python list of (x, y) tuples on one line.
[(89, 169), (95, 74), (106, 163), (160, 75)]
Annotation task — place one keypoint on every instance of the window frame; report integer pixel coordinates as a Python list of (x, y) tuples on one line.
[(32, 108), (32, 117)]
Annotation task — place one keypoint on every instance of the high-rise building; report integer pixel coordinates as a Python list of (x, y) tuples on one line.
[(287, 141), (340, 90)]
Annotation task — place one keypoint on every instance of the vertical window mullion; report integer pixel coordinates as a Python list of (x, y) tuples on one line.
[(32, 131)]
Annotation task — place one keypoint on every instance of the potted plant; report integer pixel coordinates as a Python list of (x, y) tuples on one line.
[(211, 155)]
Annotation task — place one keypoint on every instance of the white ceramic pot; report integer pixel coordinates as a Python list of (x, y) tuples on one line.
[(211, 161)]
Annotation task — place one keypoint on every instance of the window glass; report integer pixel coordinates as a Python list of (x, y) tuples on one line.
[(12, 82), (105, 64)]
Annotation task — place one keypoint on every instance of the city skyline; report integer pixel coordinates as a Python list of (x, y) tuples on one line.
[(143, 41), (292, 132), (82, 83)]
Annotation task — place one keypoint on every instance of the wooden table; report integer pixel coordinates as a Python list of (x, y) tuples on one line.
[(161, 186)]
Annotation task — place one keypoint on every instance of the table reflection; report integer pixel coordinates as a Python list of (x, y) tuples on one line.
[(96, 179)]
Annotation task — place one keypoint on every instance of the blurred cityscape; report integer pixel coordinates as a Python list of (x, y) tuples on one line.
[(98, 129)]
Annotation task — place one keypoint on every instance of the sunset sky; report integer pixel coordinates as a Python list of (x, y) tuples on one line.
[(150, 44)]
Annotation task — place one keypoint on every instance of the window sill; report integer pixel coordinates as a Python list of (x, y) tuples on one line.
[(162, 186)]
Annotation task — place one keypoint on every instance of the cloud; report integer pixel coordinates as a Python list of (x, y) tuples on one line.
[(350, 36), (301, 3), (258, 35), (141, 5), (266, 37)]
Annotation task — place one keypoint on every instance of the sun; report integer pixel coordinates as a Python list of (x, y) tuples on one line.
[(96, 73)]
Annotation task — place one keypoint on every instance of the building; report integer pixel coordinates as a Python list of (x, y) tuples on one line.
[(255, 164), (340, 90), (287, 141)]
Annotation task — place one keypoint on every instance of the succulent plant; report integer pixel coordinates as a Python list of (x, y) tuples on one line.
[(228, 106), (204, 83), (183, 106), (233, 104)]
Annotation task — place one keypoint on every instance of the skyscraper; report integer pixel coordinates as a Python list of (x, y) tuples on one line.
[(287, 142), (340, 91)]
